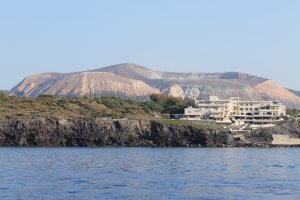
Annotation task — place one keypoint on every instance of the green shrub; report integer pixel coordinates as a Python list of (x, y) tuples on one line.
[(47, 105), (45, 96)]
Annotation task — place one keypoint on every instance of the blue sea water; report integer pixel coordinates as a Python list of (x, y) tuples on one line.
[(149, 173)]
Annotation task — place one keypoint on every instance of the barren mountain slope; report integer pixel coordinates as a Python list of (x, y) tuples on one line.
[(295, 92), (80, 84), (138, 72), (272, 90)]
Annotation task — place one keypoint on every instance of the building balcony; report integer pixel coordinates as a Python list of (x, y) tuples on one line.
[(210, 105)]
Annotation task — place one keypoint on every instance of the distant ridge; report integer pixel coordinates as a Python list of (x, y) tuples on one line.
[(135, 81), (135, 71), (297, 93)]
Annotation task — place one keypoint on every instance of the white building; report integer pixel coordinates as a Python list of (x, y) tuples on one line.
[(235, 111)]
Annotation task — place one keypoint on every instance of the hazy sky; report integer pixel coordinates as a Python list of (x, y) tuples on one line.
[(260, 37)]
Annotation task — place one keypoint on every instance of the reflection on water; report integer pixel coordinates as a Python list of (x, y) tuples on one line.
[(149, 173)]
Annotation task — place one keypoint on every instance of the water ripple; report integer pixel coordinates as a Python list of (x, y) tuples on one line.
[(149, 173)]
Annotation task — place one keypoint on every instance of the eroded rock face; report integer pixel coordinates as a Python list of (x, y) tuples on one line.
[(92, 84), (174, 90), (138, 133)]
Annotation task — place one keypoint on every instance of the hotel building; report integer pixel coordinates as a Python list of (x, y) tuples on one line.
[(233, 110)]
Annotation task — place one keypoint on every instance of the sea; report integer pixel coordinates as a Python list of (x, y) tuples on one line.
[(149, 173)]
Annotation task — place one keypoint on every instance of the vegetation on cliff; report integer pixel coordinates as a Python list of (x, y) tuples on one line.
[(12, 107), (49, 121)]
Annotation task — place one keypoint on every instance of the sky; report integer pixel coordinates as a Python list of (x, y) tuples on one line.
[(260, 37)]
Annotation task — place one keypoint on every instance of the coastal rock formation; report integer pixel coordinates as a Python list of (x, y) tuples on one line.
[(134, 81), (137, 133), (59, 132), (284, 134), (291, 128)]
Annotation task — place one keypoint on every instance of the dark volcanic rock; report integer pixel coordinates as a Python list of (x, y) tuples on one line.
[(130, 133), (170, 135), (264, 136), (291, 128), (137, 133)]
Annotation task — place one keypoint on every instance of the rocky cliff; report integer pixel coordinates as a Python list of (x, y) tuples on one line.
[(136, 133), (134, 81), (58, 132), (291, 128)]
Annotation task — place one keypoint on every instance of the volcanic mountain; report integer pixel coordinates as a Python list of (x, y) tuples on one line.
[(134, 81)]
